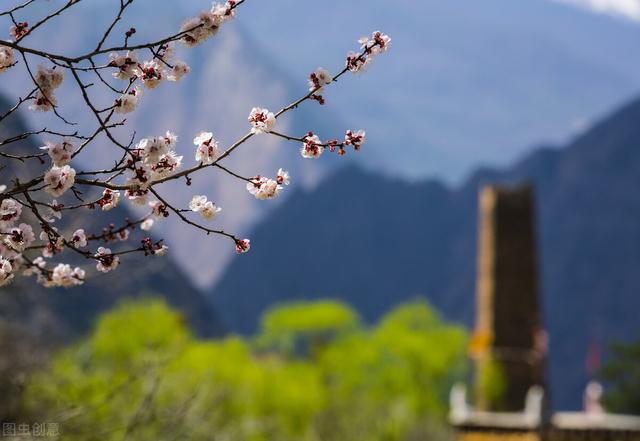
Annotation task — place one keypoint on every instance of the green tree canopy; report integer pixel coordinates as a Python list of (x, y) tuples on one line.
[(622, 375), (142, 376)]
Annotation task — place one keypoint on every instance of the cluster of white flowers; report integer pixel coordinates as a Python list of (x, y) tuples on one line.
[(13, 239), (128, 102), (79, 238), (150, 73), (311, 147), (10, 211), (265, 188), (48, 80), (207, 23), (107, 261), (354, 139), (179, 70), (208, 150), (59, 152), (151, 161), (63, 275), (109, 200), (20, 237), (153, 158), (126, 64), (7, 59), (55, 245), (59, 179), (261, 120), (207, 209), (377, 44), (318, 79), (158, 209), (6, 271)]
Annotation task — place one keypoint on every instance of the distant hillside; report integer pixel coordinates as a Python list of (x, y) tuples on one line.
[(65, 313), (375, 241)]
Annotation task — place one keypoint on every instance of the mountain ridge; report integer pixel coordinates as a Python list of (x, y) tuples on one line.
[(382, 241)]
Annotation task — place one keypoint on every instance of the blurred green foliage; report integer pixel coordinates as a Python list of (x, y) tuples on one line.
[(315, 372), (491, 384), (622, 375)]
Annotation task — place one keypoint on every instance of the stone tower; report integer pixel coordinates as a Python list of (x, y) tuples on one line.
[(511, 353)]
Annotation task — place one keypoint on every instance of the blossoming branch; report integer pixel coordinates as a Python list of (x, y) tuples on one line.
[(32, 242)]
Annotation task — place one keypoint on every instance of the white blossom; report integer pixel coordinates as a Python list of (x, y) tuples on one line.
[(66, 277), (207, 151), (377, 44), (59, 180), (179, 70), (126, 64), (6, 271), (261, 120), (141, 177), (318, 79), (150, 73), (59, 152), (354, 139), (47, 79), (7, 59), (225, 11), (380, 41), (167, 164), (10, 210), (19, 30), (282, 177), (53, 247), (137, 197), (158, 209), (161, 251), (123, 235), (36, 266), (106, 260), (147, 224), (109, 200), (311, 147), (20, 237), (263, 188), (53, 212), (198, 29), (44, 102), (127, 102), (209, 210), (205, 208), (197, 202), (152, 148), (79, 238)]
